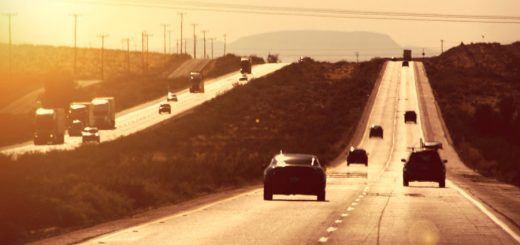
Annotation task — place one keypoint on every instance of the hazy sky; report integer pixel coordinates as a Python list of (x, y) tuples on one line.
[(49, 21)]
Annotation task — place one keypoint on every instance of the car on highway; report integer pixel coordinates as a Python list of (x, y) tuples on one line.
[(165, 108), (433, 145), (243, 78), (375, 131), (171, 97), (410, 116), (90, 134), (424, 165), (405, 63), (357, 156), (291, 174)]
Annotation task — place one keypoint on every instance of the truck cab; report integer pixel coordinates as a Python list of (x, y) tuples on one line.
[(245, 65), (80, 115), (197, 82), (104, 112), (49, 126)]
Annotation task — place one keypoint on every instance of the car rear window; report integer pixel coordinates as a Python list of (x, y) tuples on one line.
[(425, 157), (298, 161)]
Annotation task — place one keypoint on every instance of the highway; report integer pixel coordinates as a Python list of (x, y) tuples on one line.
[(146, 115), (364, 205)]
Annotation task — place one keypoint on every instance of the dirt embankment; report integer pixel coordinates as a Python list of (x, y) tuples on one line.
[(477, 87), (304, 107)]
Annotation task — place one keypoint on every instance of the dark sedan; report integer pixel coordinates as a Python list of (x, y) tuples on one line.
[(90, 134), (424, 165), (375, 131), (165, 108), (410, 116), (357, 155), (291, 174)]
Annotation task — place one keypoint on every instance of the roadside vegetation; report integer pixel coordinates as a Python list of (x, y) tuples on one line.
[(478, 89), (308, 107)]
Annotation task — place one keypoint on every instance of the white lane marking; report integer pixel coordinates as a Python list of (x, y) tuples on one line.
[(338, 221), (331, 229), (354, 204), (344, 215), (164, 219), (349, 209), (484, 210), (357, 200), (323, 239)]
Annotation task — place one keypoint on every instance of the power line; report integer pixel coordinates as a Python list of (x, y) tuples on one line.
[(317, 12)]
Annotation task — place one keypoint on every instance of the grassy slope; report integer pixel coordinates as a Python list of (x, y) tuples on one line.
[(478, 89), (306, 107)]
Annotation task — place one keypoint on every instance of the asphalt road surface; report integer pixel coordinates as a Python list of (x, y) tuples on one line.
[(364, 205), (146, 115)]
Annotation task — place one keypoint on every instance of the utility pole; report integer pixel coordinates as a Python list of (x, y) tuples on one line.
[(75, 43), (103, 36), (147, 36), (142, 51), (204, 35), (194, 41), (170, 42), (164, 27), (177, 48), (9, 16), (185, 45), (357, 57), (127, 54), (225, 36), (212, 39), (182, 17), (442, 46)]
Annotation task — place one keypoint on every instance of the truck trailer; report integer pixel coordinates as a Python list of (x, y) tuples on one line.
[(49, 126), (104, 110), (197, 82), (245, 65)]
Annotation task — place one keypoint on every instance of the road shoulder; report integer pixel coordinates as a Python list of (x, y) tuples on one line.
[(503, 200)]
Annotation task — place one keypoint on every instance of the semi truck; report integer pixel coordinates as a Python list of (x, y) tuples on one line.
[(49, 126), (80, 115), (407, 55), (104, 110), (197, 82), (245, 65)]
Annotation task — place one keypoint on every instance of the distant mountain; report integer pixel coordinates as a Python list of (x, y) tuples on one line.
[(320, 45)]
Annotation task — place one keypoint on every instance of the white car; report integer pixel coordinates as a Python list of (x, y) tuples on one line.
[(90, 134), (171, 97)]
